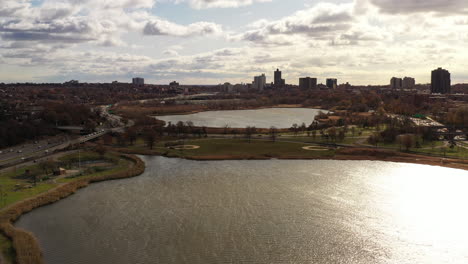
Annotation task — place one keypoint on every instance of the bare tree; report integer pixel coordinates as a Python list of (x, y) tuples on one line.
[(101, 150), (249, 131), (273, 133), (295, 128), (150, 137)]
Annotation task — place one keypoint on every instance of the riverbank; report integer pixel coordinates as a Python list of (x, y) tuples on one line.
[(25, 244)]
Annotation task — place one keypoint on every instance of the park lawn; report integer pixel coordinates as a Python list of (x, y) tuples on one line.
[(86, 156), (121, 165), (456, 152), (242, 148), (8, 183)]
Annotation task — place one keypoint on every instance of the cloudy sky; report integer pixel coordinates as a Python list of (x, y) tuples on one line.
[(214, 41)]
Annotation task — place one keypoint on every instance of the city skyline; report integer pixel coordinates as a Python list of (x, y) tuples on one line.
[(195, 42)]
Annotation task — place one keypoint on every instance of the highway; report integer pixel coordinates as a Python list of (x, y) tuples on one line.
[(32, 151), (42, 148)]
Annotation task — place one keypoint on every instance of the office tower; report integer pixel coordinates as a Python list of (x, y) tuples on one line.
[(259, 82), (440, 81), (307, 83), (408, 83), (396, 83), (138, 81), (332, 83), (278, 80)]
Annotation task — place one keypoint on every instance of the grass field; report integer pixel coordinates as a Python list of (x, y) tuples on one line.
[(238, 148)]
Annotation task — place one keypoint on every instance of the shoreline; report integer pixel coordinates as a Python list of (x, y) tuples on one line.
[(239, 109), (357, 154), (25, 243)]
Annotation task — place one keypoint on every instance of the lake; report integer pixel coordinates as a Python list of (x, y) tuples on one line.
[(260, 118), (274, 211)]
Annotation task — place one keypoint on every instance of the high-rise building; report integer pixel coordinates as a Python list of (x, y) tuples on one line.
[(396, 83), (332, 83), (138, 81), (408, 83), (441, 82), (307, 83), (228, 87), (278, 80), (259, 82)]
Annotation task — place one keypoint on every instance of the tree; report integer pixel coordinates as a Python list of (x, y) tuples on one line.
[(249, 131), (131, 135), (150, 137), (407, 141), (341, 135), (101, 150), (273, 133), (303, 127), (226, 129), (332, 133), (294, 128), (107, 139), (314, 134), (46, 166), (374, 139)]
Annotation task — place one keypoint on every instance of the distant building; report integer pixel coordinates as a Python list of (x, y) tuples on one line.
[(138, 81), (332, 83), (307, 83), (173, 86), (441, 82), (227, 87), (259, 82), (72, 82), (278, 80), (396, 83), (408, 83), (241, 87)]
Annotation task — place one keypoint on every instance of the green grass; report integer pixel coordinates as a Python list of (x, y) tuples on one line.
[(8, 185), (241, 148), (121, 165)]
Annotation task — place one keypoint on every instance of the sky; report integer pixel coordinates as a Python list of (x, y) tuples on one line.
[(215, 41)]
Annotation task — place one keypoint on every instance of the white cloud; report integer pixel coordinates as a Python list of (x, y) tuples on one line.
[(164, 27), (205, 4)]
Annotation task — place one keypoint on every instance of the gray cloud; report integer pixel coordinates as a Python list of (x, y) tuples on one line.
[(411, 6)]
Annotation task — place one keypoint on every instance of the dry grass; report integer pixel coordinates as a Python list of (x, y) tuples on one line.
[(25, 244)]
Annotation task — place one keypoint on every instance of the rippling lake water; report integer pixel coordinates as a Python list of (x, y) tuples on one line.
[(261, 118), (275, 211)]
